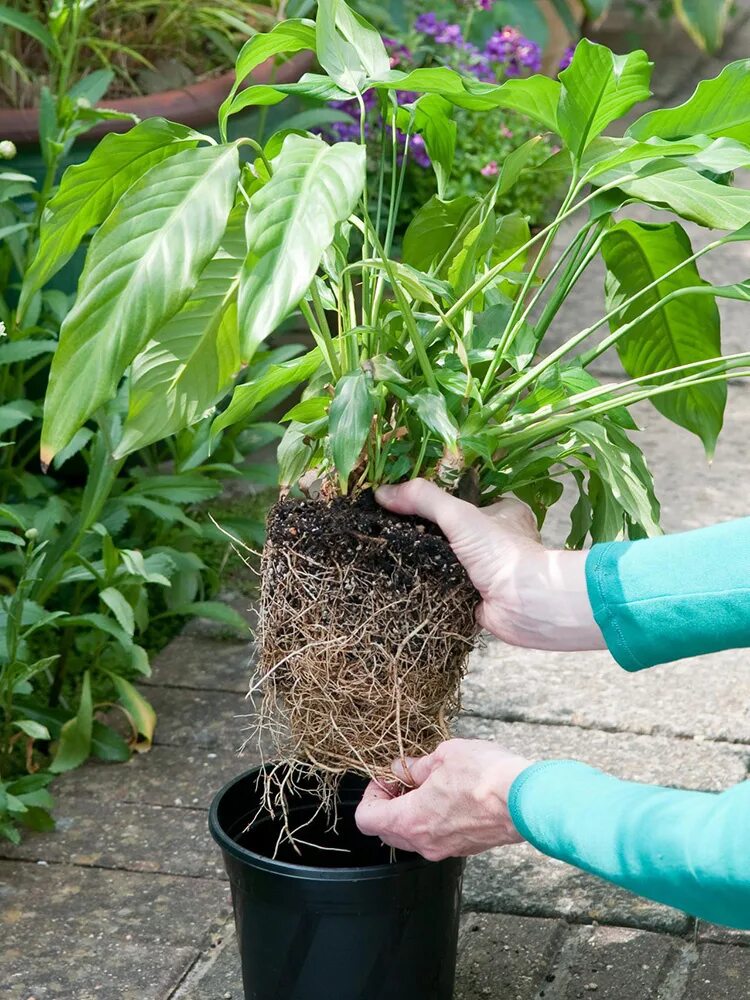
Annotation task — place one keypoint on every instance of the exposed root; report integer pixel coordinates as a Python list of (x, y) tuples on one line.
[(366, 625)]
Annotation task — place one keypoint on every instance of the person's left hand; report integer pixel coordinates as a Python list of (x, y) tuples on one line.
[(458, 805)]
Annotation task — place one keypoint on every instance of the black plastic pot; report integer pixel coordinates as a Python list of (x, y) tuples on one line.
[(333, 925)]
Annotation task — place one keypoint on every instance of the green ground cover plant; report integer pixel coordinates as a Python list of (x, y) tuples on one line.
[(434, 362)]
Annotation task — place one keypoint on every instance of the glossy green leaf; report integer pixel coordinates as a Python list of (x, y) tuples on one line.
[(106, 744), (433, 229), (718, 107), (33, 729), (684, 330), (705, 21), (74, 744), (90, 190), (312, 86), (597, 88), (289, 36), (432, 410), (291, 221), (192, 360), (308, 410), (687, 193), (139, 710), (250, 395), (348, 48), (349, 421), (120, 608), (141, 268), (431, 117), (294, 455)]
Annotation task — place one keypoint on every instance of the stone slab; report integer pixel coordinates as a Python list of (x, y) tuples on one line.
[(101, 969), (194, 661), (134, 837), (615, 963), (658, 760), (720, 973), (208, 719), (505, 957), (218, 976), (721, 935), (520, 880), (165, 776), (707, 697), (61, 902)]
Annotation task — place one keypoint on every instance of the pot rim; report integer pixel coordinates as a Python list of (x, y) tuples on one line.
[(289, 870), (193, 105)]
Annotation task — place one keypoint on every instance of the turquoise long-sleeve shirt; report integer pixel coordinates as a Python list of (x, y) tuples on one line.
[(656, 601)]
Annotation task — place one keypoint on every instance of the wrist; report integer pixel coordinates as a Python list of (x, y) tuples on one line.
[(554, 609)]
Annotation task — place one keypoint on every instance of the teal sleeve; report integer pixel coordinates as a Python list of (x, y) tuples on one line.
[(689, 850), (668, 598)]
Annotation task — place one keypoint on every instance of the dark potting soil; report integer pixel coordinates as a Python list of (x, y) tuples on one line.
[(395, 547)]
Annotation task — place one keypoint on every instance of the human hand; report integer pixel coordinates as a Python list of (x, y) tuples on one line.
[(531, 596), (459, 806)]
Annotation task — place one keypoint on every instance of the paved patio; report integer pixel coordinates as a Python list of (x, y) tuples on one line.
[(128, 899)]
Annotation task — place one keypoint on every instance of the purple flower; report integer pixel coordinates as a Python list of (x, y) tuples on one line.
[(428, 24), (567, 59), (486, 4), (398, 52), (450, 34), (418, 151), (529, 54), (502, 44)]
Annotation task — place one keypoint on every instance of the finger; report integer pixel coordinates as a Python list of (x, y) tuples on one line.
[(414, 771), (425, 499), (376, 812)]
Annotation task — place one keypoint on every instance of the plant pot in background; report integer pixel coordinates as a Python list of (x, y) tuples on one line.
[(325, 924)]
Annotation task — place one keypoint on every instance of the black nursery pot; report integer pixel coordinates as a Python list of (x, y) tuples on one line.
[(327, 925)]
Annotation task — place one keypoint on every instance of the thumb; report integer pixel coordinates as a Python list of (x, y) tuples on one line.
[(414, 771), (425, 499)]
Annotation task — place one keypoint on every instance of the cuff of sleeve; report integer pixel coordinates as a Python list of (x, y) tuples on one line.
[(535, 795), (605, 594)]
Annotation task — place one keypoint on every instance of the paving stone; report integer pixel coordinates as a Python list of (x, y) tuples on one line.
[(615, 963), (60, 903), (102, 969), (134, 837), (208, 719), (520, 880), (165, 776), (707, 697), (506, 958), (719, 974), (721, 935), (652, 759), (217, 977), (193, 661)]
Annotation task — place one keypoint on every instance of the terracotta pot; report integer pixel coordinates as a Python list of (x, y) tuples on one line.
[(195, 105)]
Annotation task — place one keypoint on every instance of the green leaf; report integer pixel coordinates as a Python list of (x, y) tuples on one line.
[(89, 191), (37, 819), (536, 97), (515, 163), (432, 410), (141, 268), (30, 783), (349, 420), (29, 26), (289, 36), (291, 221), (101, 623), (74, 744), (139, 710), (192, 360), (682, 331), (294, 454), (705, 21), (309, 409), (33, 729), (432, 119), (348, 48), (433, 229), (688, 193), (120, 608), (718, 107), (215, 611), (597, 88), (249, 396), (106, 744), (13, 414), (24, 350), (310, 86)]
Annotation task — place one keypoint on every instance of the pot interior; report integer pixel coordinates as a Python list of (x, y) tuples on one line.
[(321, 840)]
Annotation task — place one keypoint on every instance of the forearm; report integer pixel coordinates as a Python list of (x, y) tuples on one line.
[(668, 598), (686, 849)]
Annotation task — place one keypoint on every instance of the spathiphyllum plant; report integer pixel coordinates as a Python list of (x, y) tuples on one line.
[(428, 364)]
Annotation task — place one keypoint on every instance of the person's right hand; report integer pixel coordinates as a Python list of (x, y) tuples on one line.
[(531, 596)]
